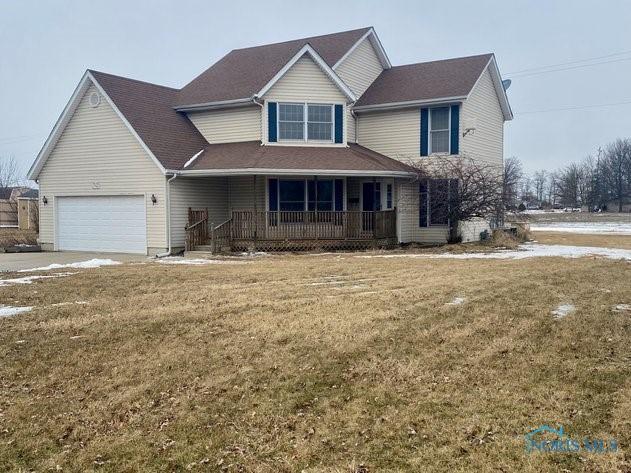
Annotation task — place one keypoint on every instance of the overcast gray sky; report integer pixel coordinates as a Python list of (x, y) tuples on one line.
[(45, 47)]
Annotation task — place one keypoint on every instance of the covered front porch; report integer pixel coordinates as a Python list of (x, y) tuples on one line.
[(274, 213)]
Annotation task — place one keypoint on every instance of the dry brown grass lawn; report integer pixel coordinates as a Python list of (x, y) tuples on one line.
[(605, 241), (316, 363), (15, 236)]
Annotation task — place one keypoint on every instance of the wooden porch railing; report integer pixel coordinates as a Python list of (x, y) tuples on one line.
[(317, 225), (248, 228), (220, 235), (197, 229)]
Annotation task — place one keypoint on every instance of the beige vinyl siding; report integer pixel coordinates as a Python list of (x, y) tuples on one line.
[(304, 82), (351, 126), (394, 133), (98, 155), (230, 125), (408, 217), (482, 111), (247, 192), (197, 193), (360, 68)]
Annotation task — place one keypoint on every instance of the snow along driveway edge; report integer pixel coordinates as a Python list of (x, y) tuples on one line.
[(92, 263)]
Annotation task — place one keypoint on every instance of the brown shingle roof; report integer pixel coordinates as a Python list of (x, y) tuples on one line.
[(425, 81), (170, 135), (251, 155), (243, 72)]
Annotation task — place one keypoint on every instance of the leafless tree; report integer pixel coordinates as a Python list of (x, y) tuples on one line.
[(616, 171), (8, 172), (539, 182), (466, 188), (513, 174), (8, 179), (552, 188), (568, 186)]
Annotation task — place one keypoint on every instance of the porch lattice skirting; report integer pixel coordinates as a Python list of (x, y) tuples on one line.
[(249, 230)]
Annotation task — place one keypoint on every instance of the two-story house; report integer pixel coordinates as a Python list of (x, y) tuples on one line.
[(306, 143)]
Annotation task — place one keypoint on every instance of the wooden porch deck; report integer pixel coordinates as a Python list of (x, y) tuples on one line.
[(294, 231)]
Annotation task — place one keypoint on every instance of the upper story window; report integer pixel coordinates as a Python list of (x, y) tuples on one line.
[(291, 121), (305, 122), (320, 122), (439, 132)]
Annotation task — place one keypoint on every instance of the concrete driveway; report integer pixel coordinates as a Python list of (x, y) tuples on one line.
[(19, 261)]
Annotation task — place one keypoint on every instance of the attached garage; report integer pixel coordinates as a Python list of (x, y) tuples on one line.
[(102, 223)]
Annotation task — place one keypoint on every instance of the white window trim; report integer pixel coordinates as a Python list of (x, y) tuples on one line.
[(305, 115), (429, 131)]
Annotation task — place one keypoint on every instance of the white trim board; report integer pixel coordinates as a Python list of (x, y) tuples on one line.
[(307, 49), (65, 118), (496, 78), (410, 104)]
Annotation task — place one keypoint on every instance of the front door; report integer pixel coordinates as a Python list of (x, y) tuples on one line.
[(371, 201), (371, 196)]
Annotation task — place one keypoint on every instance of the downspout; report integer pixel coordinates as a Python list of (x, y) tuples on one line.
[(254, 100), (168, 208)]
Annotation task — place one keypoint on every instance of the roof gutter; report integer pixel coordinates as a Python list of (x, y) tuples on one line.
[(215, 105), (291, 172), (408, 104)]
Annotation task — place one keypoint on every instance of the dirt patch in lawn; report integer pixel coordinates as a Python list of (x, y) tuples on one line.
[(316, 363)]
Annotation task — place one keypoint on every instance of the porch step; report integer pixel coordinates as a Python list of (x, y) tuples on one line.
[(199, 254), (207, 249)]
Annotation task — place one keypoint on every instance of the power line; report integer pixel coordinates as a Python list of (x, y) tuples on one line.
[(570, 63), (582, 107), (519, 76)]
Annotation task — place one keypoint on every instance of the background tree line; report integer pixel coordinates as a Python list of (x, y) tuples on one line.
[(596, 182)]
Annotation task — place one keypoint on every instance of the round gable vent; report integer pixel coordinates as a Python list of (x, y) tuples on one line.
[(95, 99)]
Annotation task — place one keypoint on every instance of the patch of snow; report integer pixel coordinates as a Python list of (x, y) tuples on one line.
[(563, 310), (457, 301), (92, 263), (30, 279), (524, 251), (195, 156), (196, 261), (622, 308), (8, 310), (254, 254), (60, 304), (586, 228)]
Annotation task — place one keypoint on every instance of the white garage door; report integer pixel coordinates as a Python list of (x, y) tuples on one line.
[(105, 223)]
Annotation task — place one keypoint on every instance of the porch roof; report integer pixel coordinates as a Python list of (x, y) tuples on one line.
[(250, 157)]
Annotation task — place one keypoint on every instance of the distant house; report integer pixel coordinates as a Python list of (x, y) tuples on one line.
[(307, 142)]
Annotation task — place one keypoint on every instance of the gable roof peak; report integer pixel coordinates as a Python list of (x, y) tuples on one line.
[(308, 39)]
